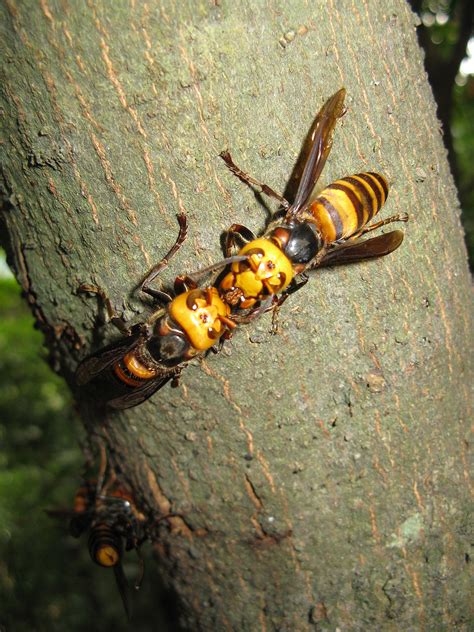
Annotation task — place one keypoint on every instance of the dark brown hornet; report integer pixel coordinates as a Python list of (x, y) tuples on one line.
[(154, 352), (314, 232), (114, 525)]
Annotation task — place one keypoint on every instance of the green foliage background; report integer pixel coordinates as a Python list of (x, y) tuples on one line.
[(47, 580), (463, 138), (446, 27)]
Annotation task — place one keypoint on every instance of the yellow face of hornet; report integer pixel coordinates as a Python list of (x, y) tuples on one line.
[(202, 315), (267, 271)]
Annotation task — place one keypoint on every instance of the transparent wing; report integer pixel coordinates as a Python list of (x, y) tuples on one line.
[(321, 138), (358, 250), (139, 394), (122, 586), (89, 368)]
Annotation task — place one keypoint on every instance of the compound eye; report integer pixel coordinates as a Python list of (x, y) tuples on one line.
[(255, 251), (193, 297)]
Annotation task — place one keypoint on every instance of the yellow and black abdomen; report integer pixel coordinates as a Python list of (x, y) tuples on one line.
[(132, 372), (343, 208), (105, 545)]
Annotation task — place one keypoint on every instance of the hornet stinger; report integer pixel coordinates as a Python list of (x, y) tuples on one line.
[(315, 231)]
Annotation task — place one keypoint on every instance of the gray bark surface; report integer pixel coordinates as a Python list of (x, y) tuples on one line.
[(319, 477)]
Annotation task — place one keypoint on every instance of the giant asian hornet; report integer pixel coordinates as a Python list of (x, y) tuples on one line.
[(109, 515), (314, 232), (154, 352)]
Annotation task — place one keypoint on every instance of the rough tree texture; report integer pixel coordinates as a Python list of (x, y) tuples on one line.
[(321, 474)]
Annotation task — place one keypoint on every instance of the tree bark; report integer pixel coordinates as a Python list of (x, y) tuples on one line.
[(318, 477), (443, 69)]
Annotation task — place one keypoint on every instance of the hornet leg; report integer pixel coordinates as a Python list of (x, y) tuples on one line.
[(294, 287), (155, 271), (276, 303), (244, 177), (400, 217), (113, 315)]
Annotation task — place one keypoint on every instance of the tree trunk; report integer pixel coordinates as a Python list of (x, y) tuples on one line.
[(318, 477)]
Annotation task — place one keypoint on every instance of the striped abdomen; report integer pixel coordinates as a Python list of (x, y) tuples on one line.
[(347, 205), (131, 371), (105, 545)]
